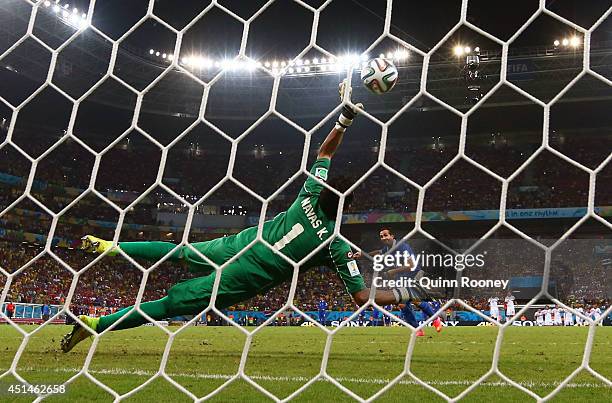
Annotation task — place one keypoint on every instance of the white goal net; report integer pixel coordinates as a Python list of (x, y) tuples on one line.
[(83, 22)]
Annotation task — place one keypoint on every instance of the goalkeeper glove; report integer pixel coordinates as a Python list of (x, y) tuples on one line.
[(91, 244), (348, 113)]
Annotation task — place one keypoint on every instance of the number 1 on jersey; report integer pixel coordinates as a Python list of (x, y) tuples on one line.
[(289, 236)]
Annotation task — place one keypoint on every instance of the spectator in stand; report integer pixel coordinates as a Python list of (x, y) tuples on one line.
[(10, 310), (46, 312)]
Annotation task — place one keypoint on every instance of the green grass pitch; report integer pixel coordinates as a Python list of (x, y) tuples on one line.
[(281, 359)]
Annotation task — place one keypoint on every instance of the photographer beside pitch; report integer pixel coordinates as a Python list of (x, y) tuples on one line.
[(308, 222)]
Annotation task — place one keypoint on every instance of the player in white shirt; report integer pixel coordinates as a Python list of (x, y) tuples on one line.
[(558, 321), (568, 318), (596, 314), (548, 316), (494, 308), (510, 310), (539, 317), (579, 319)]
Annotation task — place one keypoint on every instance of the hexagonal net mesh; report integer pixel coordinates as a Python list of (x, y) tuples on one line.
[(176, 66)]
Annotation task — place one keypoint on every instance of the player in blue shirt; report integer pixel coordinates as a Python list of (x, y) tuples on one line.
[(387, 319), (322, 311), (387, 237), (46, 312), (361, 318), (375, 317)]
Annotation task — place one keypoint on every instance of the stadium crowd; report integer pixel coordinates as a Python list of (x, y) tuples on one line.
[(129, 169), (547, 182), (113, 282)]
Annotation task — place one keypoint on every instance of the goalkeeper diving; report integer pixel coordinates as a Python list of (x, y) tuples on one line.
[(308, 222)]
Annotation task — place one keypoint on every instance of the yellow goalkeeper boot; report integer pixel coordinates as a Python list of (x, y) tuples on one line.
[(79, 333), (92, 244)]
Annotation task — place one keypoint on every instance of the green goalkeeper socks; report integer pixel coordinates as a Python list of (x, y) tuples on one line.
[(157, 310), (151, 251)]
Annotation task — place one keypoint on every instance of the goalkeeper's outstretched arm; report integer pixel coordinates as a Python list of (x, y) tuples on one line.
[(331, 143), (334, 138)]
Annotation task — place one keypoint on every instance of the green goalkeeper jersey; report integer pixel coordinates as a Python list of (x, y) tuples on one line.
[(295, 233), (249, 268), (302, 228)]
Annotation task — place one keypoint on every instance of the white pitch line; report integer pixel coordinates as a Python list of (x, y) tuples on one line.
[(378, 381)]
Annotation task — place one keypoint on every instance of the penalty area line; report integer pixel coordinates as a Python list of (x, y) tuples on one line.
[(303, 379)]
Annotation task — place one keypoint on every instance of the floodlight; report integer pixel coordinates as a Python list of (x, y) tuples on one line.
[(575, 41)]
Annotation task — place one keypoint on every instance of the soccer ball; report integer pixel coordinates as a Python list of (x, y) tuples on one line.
[(379, 75)]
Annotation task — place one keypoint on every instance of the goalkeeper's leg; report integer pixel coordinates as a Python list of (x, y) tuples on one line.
[(239, 282), (218, 250), (157, 310)]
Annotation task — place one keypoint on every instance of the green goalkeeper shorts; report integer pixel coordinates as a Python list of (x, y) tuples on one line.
[(240, 280), (218, 250)]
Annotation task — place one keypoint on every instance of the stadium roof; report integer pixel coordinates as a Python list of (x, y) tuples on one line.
[(243, 93)]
